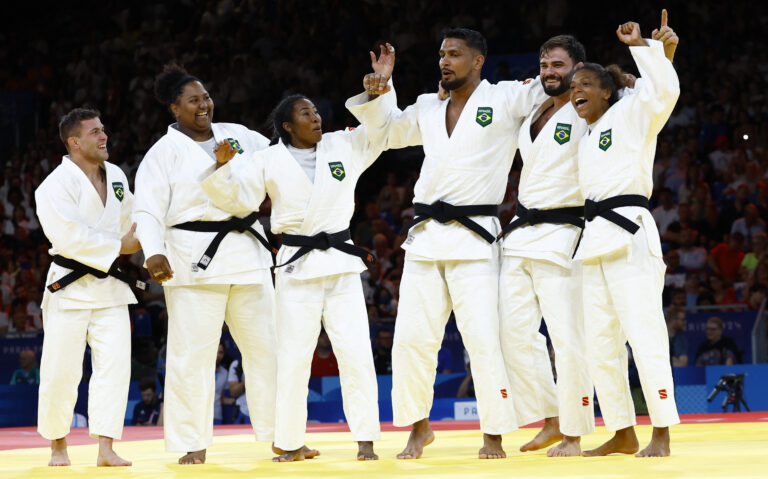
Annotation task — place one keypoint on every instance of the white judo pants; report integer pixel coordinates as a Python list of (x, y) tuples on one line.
[(195, 317), (429, 290), (300, 304), (108, 332), (528, 289), (622, 301)]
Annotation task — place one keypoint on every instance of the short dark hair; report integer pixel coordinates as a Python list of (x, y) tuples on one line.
[(610, 78), (70, 123), (147, 383), (473, 38), (568, 43), (283, 112)]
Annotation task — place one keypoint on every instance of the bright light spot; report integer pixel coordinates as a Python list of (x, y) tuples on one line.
[(746, 137)]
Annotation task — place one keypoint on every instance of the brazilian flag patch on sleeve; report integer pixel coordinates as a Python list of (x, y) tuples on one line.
[(605, 140), (117, 186), (562, 133), (337, 170), (484, 116)]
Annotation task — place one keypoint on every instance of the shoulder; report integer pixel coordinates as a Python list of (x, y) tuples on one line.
[(427, 100), (115, 171), (55, 180)]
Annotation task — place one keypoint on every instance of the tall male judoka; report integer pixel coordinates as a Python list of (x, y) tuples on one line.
[(84, 207), (452, 257)]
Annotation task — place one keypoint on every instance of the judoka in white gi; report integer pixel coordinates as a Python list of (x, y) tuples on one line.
[(84, 207), (176, 221), (452, 259), (537, 277), (620, 249), (311, 178)]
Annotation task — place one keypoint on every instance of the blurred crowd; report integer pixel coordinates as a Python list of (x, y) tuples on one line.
[(710, 172)]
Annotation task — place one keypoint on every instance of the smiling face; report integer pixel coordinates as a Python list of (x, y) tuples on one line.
[(588, 96), (305, 126), (194, 111), (458, 63), (556, 71), (91, 142)]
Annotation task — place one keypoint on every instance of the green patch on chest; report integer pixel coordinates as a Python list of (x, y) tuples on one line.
[(605, 140), (337, 170), (562, 133), (119, 190), (484, 116)]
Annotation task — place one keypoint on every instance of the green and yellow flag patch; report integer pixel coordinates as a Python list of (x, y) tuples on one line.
[(337, 170), (235, 145), (562, 133), (484, 116), (119, 190), (605, 141)]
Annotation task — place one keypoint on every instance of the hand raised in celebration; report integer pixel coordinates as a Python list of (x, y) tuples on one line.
[(375, 84), (667, 36), (386, 61), (629, 33)]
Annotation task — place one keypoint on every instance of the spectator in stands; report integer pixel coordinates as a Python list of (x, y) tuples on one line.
[(147, 411), (678, 340), (22, 324), (721, 293), (725, 258), (666, 213), (717, 349), (750, 223), (364, 230), (693, 258), (382, 352), (713, 227), (222, 377), (757, 296), (324, 361), (29, 372), (237, 390), (467, 386), (692, 289), (382, 251), (674, 232), (675, 274), (758, 253)]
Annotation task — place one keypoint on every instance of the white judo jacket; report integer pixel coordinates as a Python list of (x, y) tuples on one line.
[(468, 168), (80, 227), (168, 192), (616, 156), (549, 179), (300, 206)]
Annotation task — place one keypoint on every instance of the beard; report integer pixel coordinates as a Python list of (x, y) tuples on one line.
[(454, 84), (564, 86)]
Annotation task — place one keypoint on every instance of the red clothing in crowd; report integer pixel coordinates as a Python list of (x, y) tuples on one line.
[(728, 260), (324, 366)]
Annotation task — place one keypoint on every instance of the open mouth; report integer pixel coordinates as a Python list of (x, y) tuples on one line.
[(579, 101), (103, 147), (203, 114), (446, 73)]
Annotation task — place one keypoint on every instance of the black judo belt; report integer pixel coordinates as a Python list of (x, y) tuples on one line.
[(604, 208), (444, 212), (324, 241), (568, 215), (222, 228), (79, 270)]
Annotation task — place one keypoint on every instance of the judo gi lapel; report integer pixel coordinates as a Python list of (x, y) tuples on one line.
[(91, 206), (469, 115), (323, 178), (116, 191)]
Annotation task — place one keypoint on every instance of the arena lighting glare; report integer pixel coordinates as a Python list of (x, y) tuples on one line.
[(746, 137)]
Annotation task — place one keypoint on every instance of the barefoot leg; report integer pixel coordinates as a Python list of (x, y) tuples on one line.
[(365, 451), (290, 456), (491, 447), (195, 457), (659, 445), (570, 446), (59, 456), (623, 442), (107, 455), (421, 436), (548, 435)]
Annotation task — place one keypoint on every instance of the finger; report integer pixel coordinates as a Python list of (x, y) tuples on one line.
[(390, 49), (382, 51), (373, 57), (133, 228), (655, 34), (664, 17)]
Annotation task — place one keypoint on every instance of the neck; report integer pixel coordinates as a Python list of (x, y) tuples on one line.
[(463, 93), (195, 135), (561, 100), (301, 144), (91, 168)]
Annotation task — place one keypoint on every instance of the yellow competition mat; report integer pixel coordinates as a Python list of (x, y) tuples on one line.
[(734, 450)]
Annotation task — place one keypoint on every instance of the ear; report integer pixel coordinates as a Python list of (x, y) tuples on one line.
[(175, 109), (579, 65), (478, 62), (606, 94), (73, 142), (287, 126)]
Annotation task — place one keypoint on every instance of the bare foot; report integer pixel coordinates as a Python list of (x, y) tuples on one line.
[(59, 456), (421, 437), (107, 455), (308, 453), (623, 442), (570, 446), (197, 457), (290, 456), (659, 445), (365, 451), (491, 447), (548, 435)]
